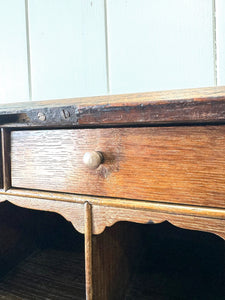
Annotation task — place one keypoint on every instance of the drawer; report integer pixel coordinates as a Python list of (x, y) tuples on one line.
[(183, 164)]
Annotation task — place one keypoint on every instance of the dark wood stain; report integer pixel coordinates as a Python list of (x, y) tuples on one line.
[(205, 105)]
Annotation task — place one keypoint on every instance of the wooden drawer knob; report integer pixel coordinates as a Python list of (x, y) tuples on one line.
[(93, 159)]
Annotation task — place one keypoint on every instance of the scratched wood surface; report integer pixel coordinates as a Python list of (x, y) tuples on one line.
[(165, 164), (177, 106)]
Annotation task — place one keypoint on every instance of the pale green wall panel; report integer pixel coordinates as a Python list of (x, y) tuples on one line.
[(13, 52), (220, 41), (156, 45), (67, 48)]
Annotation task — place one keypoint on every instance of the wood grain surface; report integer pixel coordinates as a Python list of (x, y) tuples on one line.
[(202, 105), (88, 251), (207, 219), (72, 212), (46, 274), (112, 252), (191, 210), (165, 164), (103, 218)]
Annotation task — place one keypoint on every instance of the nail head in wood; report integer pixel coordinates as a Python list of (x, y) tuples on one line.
[(41, 116), (65, 114), (93, 159)]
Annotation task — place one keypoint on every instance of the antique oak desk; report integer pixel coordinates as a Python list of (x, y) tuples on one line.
[(141, 158)]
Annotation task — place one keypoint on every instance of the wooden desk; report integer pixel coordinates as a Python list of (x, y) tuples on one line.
[(150, 158)]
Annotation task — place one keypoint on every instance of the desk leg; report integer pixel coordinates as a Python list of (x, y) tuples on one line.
[(88, 251)]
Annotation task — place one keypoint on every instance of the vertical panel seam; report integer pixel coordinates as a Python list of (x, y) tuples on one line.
[(107, 47), (215, 62), (28, 49)]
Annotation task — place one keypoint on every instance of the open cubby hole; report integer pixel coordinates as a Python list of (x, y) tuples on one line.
[(159, 261), (41, 256)]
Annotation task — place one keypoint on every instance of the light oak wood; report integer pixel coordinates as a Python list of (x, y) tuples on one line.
[(150, 174), (184, 96), (122, 210), (165, 164), (88, 251), (214, 213), (112, 251), (72, 212), (103, 218)]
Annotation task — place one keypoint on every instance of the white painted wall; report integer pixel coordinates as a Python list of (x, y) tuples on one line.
[(155, 45), (67, 48), (53, 49), (220, 40), (14, 84)]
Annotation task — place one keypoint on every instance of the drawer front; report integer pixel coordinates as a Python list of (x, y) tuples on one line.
[(183, 164)]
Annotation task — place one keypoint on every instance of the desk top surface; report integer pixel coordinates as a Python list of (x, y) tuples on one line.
[(202, 105)]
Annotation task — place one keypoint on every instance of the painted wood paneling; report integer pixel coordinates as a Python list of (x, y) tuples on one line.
[(67, 45), (156, 45), (13, 52), (220, 41)]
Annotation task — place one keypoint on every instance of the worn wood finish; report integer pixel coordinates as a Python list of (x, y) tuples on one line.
[(72, 212), (103, 218), (167, 107), (165, 164), (150, 174), (214, 213), (6, 161)]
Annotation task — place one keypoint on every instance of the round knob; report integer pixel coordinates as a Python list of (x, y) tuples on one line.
[(93, 159)]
